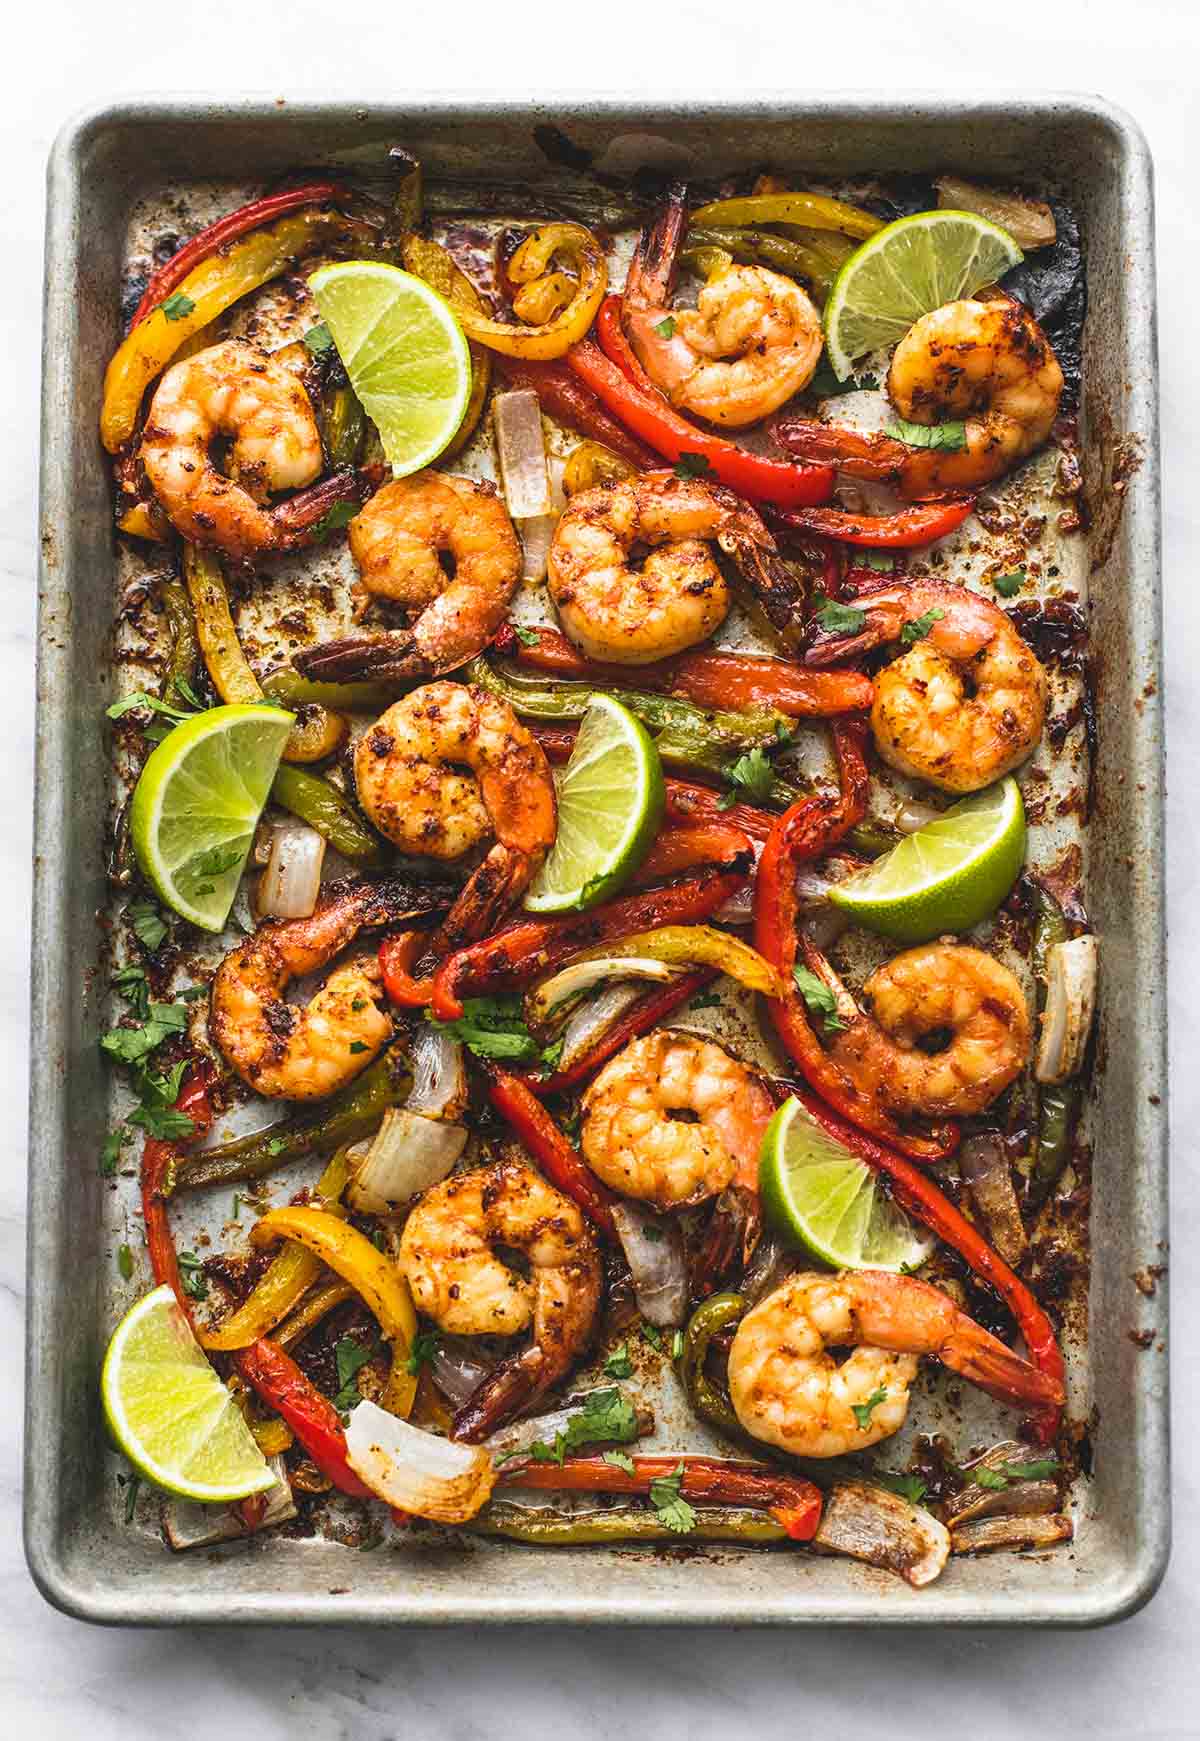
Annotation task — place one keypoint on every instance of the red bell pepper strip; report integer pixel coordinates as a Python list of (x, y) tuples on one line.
[(554, 1153), (638, 1019), (310, 1415), (904, 530), (158, 1161), (726, 680), (920, 1197), (795, 1502), (564, 397), (644, 410), (398, 956), (528, 948), (228, 229), (683, 848)]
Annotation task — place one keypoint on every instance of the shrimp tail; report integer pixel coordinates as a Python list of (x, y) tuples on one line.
[(776, 592), (389, 900), (878, 458), (298, 520), (512, 1386), (498, 882), (655, 264), (986, 1361), (733, 1231), (385, 658)]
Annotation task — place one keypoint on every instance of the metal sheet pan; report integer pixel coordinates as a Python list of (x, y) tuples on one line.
[(80, 1556)]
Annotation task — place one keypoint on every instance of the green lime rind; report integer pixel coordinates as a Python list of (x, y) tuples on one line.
[(818, 1196), (906, 270), (405, 353), (169, 1412), (610, 804), (946, 877)]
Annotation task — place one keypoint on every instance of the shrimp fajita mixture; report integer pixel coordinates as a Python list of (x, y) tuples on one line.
[(601, 984)]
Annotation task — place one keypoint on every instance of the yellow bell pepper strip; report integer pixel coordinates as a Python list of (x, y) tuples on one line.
[(813, 210), (592, 463), (531, 262), (208, 290), (431, 262), (319, 803), (272, 1437), (290, 690), (288, 1279), (375, 1278), (315, 1306), (145, 520), (312, 738), (692, 946)]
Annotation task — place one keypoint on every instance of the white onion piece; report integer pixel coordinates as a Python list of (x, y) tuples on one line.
[(913, 815), (521, 451), (737, 908), (983, 1163), (291, 883), (417, 1471), (439, 1087), (1030, 222), (581, 976), (653, 1248), (519, 1435), (457, 1369), (1072, 969), (587, 1026), (1008, 1534), (407, 1155), (871, 1524), (537, 535), (823, 926), (188, 1523)]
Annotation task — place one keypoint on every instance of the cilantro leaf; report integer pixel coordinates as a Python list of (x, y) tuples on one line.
[(338, 516), (864, 1410), (151, 704), (949, 436), (667, 1499), (666, 328), (134, 987), (692, 465), (147, 922), (350, 1356), (110, 1154), (357, 1046), (526, 637), (653, 1335), (178, 306), (1009, 585), (820, 1000), (606, 1415), (1040, 1469), (182, 687), (989, 1478), (839, 619), (916, 628), (132, 1483), (751, 775), (494, 1027), (422, 1351), (618, 1364), (826, 385), (125, 1262), (162, 1122), (192, 1276), (909, 1487), (318, 339), (705, 1000), (620, 1460)]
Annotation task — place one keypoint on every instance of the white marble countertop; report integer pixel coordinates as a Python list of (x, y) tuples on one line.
[(59, 1679)]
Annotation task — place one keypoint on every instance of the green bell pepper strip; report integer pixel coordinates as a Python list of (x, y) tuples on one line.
[(343, 425), (759, 248), (705, 1398), (814, 211), (1057, 1101), (349, 1116), (550, 1528), (290, 690), (185, 648), (319, 803)]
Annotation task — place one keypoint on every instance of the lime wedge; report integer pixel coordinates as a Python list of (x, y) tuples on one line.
[(948, 875), (169, 1412), (610, 803), (819, 1195), (197, 803), (404, 352), (906, 270)]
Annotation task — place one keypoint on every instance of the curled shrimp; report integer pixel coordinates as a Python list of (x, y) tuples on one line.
[(448, 768), (788, 1390), (631, 613), (398, 541), (634, 1138), (289, 1052), (987, 362), (234, 391), (933, 990), (752, 341), (966, 703), (457, 1279)]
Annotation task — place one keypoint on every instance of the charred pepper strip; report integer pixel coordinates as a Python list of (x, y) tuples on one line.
[(159, 1162), (707, 242), (311, 1416), (904, 530), (815, 211), (552, 1528), (185, 648), (290, 690), (639, 1019), (565, 398), (706, 1399), (319, 803), (1057, 1101), (791, 1500), (686, 848), (919, 1196), (554, 1153)]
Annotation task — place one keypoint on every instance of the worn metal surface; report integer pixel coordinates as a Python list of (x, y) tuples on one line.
[(80, 1552)]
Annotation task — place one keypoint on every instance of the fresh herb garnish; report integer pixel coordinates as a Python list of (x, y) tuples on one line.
[(147, 922), (236, 1212), (134, 987), (1040, 1469), (692, 465), (125, 1262), (422, 1351), (527, 637), (909, 1487), (132, 1485), (864, 1410), (178, 306), (620, 1460), (705, 1000), (1009, 585), (916, 628), (618, 1364), (494, 1027), (134, 1045), (606, 1414), (182, 687), (653, 1335), (338, 516), (110, 1154), (318, 339), (667, 1499), (838, 619), (950, 436), (990, 1478), (350, 1355), (666, 328), (750, 776), (820, 1000), (149, 703), (192, 1276), (357, 1046)]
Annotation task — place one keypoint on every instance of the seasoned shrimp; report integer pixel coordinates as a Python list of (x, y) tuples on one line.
[(449, 767), (291, 1053), (633, 1139), (232, 390), (932, 990), (676, 595), (398, 541), (987, 362), (752, 341), (966, 703), (447, 1255), (787, 1389)]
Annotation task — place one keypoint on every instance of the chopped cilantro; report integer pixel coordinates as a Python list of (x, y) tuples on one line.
[(909, 1487), (276, 1145), (192, 1276), (705, 1000), (667, 1499), (652, 1334), (618, 1364), (950, 436), (826, 385), (125, 1261), (677, 1345), (182, 687), (1009, 585), (338, 516), (692, 465), (236, 1212), (357, 1046), (1039, 1469), (422, 1351), (494, 1027), (620, 1460), (132, 1485), (864, 1410), (750, 776), (178, 306), (350, 1355), (110, 1154), (916, 628), (149, 703), (134, 987), (839, 619), (821, 1001), (666, 328), (147, 922), (358, 1003), (990, 1478), (606, 1415), (318, 340), (527, 637)]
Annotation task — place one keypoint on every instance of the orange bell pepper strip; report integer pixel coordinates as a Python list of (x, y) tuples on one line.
[(550, 1147), (793, 1501), (903, 530)]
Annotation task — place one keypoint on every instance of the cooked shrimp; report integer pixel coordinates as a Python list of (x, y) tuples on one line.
[(676, 595), (633, 1138), (787, 1389), (447, 1255), (966, 703), (291, 1053), (398, 541), (987, 362), (232, 390), (752, 341), (446, 769), (935, 989)]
